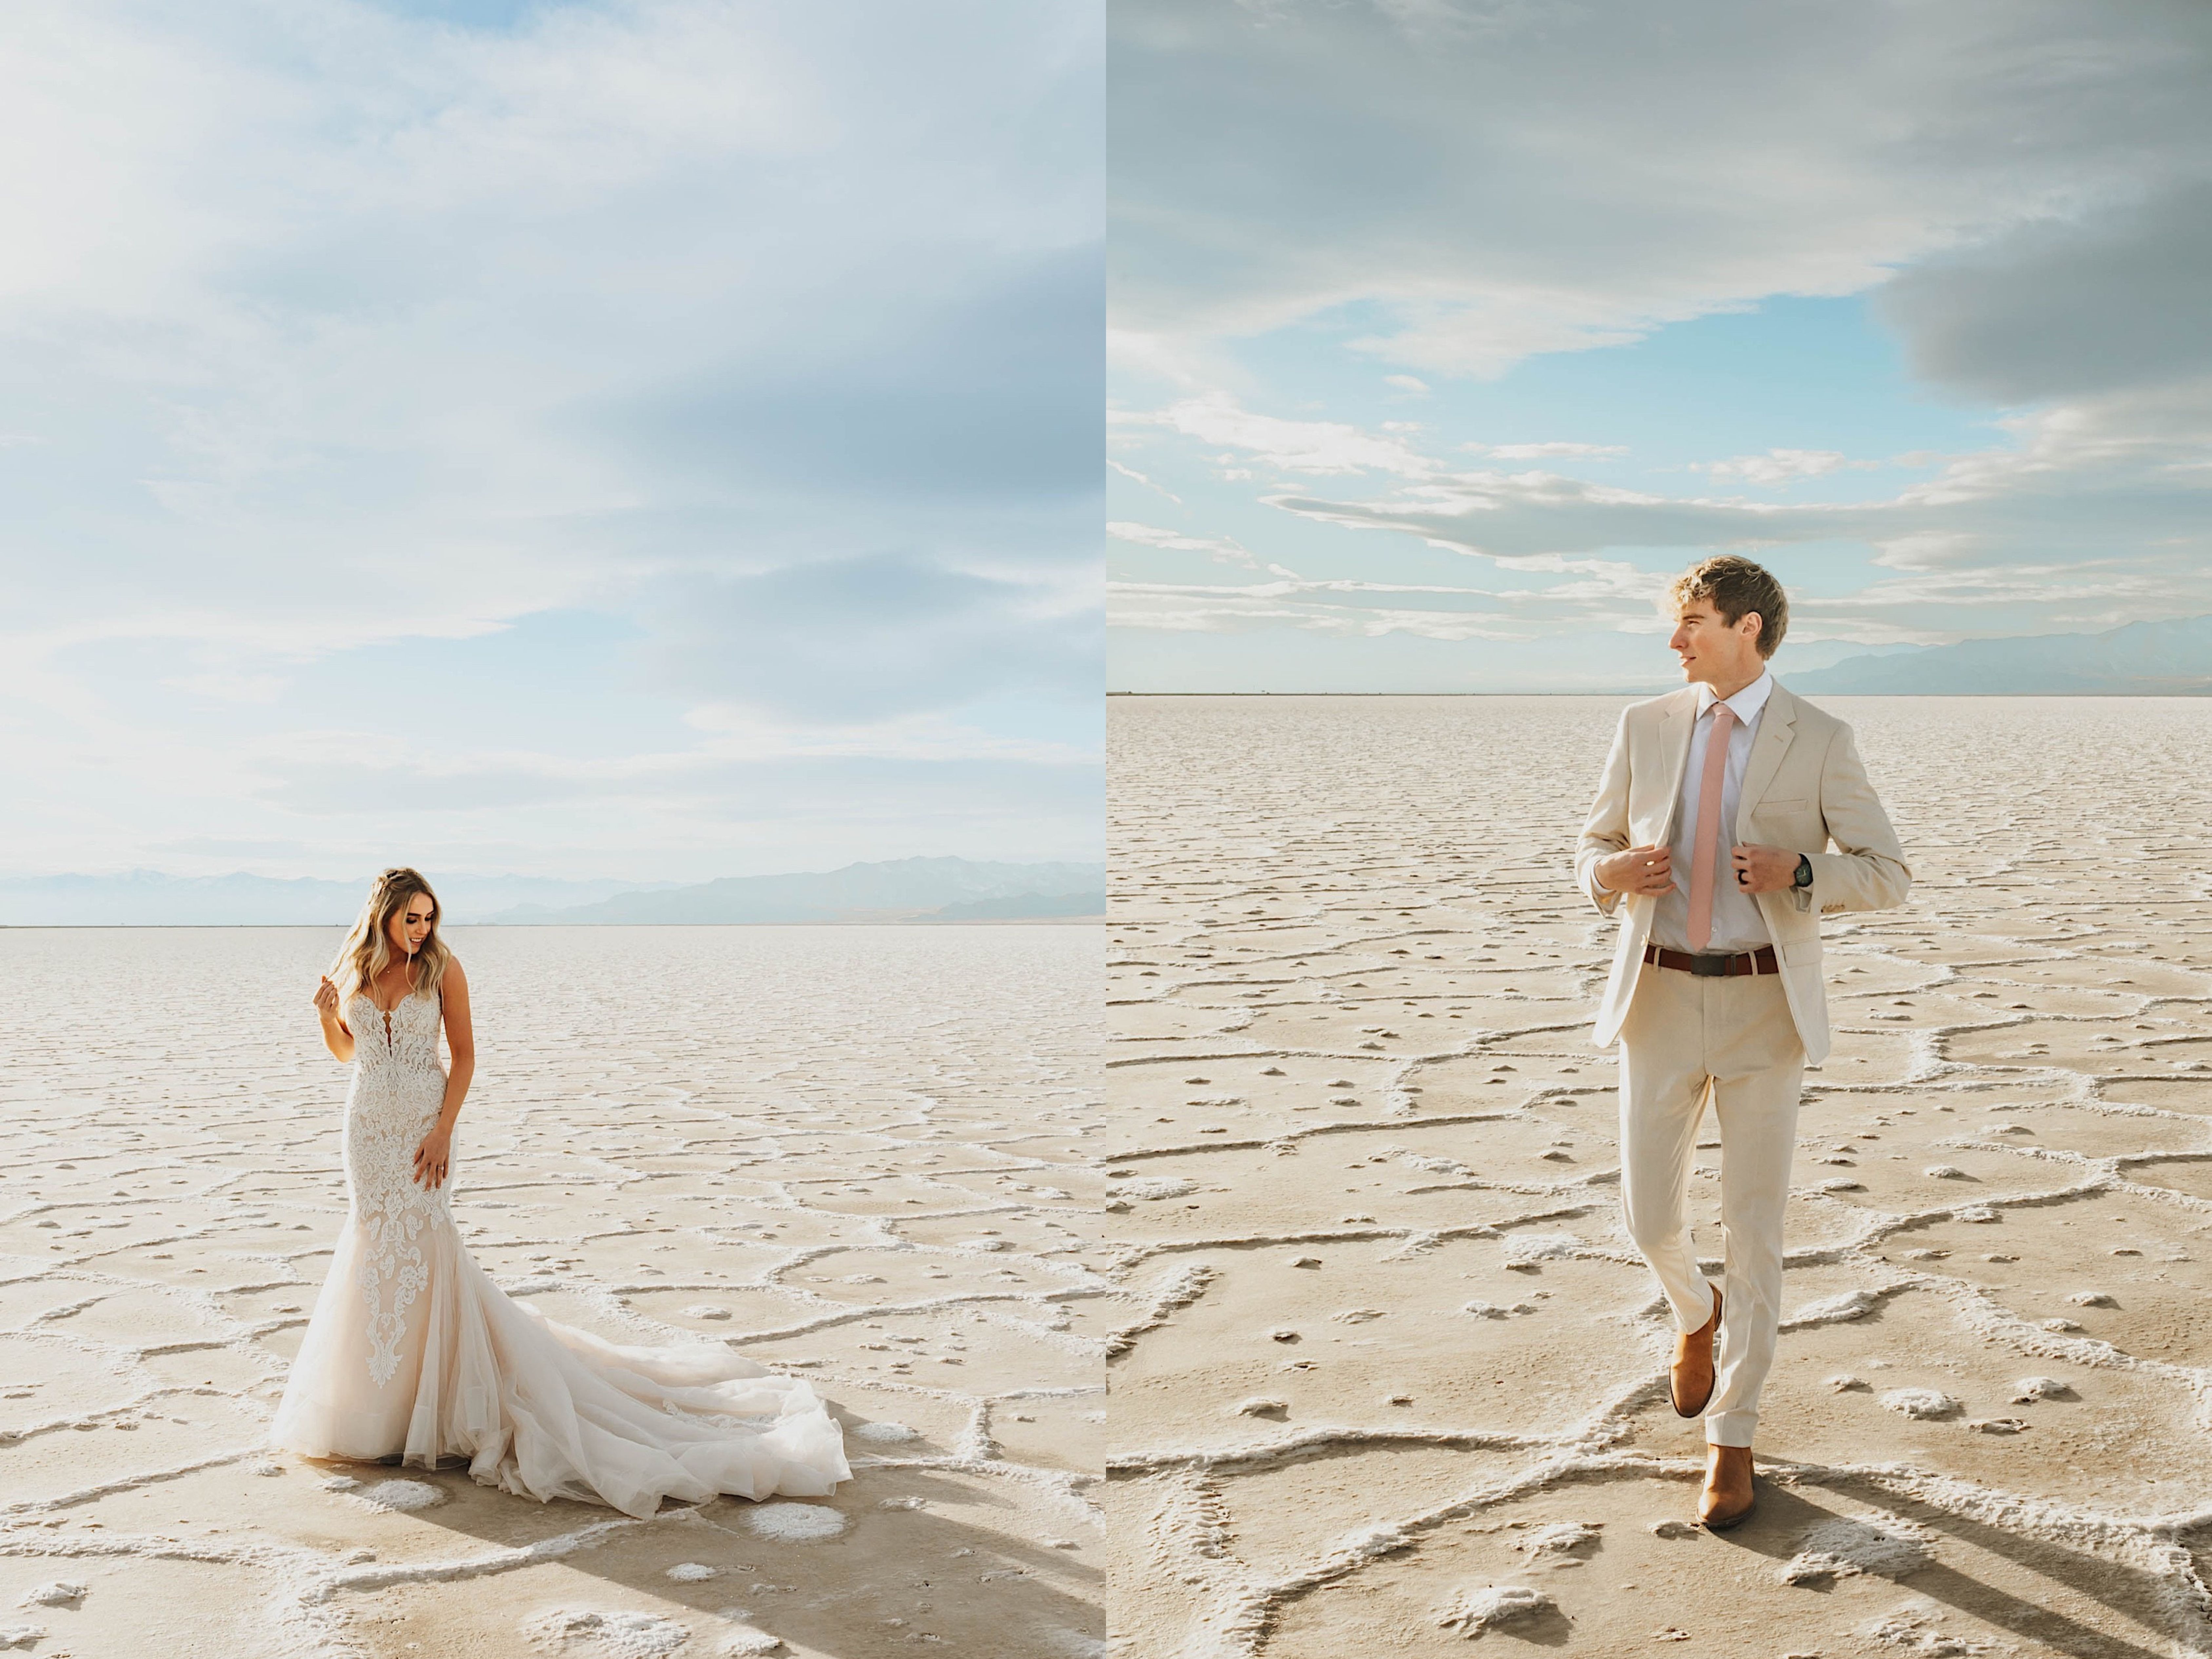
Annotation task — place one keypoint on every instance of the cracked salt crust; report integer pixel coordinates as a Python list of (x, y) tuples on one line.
[(2052, 975), (621, 1167)]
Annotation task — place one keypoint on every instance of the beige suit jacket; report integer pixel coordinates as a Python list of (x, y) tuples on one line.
[(1803, 788)]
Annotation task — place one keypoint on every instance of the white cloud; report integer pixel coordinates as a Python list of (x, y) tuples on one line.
[(1543, 178), (354, 348), (1318, 447), (1448, 188), (1545, 452), (1224, 549), (1136, 477), (1778, 465)]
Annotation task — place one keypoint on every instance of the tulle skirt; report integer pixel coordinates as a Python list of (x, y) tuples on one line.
[(540, 1409)]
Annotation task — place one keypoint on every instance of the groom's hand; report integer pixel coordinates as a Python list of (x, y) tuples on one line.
[(1638, 870), (1764, 869)]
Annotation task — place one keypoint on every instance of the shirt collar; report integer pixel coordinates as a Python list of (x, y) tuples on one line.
[(1745, 704)]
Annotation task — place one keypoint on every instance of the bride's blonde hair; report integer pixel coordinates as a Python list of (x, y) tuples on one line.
[(368, 950)]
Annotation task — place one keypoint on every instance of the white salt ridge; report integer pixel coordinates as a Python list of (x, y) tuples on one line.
[(2041, 1387), (750, 1645), (1491, 1310), (706, 1310), (1434, 1165), (22, 1635), (1261, 1406), (692, 1572), (1150, 1190), (1845, 1547), (1926, 1404), (1912, 1629), (403, 1495), (608, 1634), (1474, 1612), (1527, 1249), (1832, 1310), (1560, 1543), (884, 1433), (795, 1523), (61, 1594), (1181, 1288)]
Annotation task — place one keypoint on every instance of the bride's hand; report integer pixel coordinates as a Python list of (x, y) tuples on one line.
[(326, 998), (430, 1159)]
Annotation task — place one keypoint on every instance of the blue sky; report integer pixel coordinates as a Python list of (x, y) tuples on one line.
[(657, 440), (1443, 332)]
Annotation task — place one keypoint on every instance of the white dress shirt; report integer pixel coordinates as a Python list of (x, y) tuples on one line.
[(1737, 925)]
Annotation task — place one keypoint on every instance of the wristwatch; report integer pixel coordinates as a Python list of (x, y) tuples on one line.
[(1804, 877)]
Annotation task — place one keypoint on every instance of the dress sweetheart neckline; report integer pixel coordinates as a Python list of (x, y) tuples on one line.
[(363, 996)]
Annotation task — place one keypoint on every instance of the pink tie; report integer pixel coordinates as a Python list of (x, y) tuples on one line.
[(1705, 856)]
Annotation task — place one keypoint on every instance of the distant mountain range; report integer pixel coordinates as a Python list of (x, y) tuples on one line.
[(2141, 659), (900, 889)]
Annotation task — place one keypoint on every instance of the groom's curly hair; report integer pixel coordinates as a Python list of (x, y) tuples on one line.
[(1733, 586)]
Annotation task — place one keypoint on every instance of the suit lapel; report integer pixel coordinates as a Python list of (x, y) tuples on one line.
[(1676, 722), (1776, 726)]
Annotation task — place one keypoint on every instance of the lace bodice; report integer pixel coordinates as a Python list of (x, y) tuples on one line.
[(406, 1037)]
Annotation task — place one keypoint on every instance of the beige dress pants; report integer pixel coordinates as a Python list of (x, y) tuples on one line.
[(1688, 1040)]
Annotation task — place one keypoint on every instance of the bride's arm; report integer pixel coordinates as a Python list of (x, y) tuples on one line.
[(336, 1037), (461, 1038)]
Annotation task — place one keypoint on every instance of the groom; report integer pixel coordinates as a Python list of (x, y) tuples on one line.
[(1708, 839)]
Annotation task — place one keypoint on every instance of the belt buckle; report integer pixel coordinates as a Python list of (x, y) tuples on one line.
[(1710, 967)]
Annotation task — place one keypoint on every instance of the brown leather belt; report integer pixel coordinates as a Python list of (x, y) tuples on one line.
[(1760, 961)]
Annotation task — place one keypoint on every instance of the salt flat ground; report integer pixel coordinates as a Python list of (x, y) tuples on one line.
[(858, 1152), (1395, 1355)]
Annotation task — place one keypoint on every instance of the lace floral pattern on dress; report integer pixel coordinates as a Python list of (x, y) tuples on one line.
[(399, 1089)]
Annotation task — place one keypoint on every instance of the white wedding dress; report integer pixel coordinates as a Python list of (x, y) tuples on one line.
[(412, 1350)]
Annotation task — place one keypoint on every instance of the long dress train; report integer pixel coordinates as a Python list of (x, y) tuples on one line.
[(412, 1349)]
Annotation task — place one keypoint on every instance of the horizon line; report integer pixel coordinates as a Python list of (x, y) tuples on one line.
[(548, 926), (2143, 696)]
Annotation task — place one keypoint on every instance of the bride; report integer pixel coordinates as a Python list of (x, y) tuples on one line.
[(414, 1354)]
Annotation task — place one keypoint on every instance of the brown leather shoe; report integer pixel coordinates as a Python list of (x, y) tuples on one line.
[(1690, 1378), (1728, 1499)]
